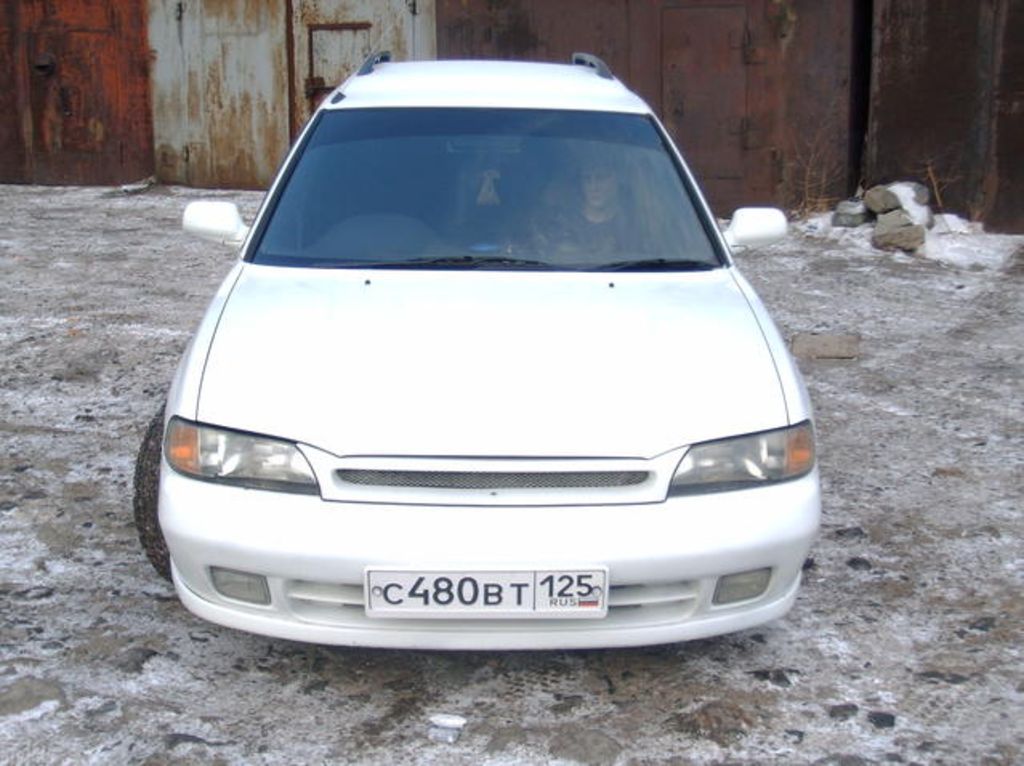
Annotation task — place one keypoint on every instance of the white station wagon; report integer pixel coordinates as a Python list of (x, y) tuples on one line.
[(484, 377)]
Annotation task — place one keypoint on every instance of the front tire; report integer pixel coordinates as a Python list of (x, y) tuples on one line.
[(147, 489)]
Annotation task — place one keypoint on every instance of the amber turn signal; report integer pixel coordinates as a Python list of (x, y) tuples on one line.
[(182, 446), (799, 450)]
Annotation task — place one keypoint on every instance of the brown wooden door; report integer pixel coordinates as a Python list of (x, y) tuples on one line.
[(82, 93)]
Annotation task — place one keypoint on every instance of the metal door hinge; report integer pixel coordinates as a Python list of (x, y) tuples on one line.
[(412, 6)]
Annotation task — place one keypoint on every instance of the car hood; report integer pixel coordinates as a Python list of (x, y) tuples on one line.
[(489, 363)]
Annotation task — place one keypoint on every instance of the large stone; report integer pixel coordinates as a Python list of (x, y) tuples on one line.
[(896, 230), (850, 213), (826, 345), (881, 719), (880, 199)]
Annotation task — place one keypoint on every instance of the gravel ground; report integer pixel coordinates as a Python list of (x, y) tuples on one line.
[(904, 645)]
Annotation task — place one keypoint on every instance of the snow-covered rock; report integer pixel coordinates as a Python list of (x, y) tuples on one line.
[(910, 196), (850, 213)]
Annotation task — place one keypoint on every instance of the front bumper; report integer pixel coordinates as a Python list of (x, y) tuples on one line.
[(664, 560)]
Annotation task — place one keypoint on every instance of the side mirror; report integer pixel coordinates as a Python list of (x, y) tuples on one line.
[(755, 226), (215, 221)]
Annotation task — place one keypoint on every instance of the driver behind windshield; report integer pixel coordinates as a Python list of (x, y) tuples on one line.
[(588, 218)]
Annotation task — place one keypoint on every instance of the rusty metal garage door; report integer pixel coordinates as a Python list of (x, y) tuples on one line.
[(79, 109), (219, 91), (704, 96), (763, 95), (235, 80), (331, 38)]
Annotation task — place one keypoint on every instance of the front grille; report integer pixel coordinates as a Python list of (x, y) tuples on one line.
[(492, 479)]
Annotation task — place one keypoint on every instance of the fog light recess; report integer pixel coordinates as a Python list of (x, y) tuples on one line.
[(241, 586), (742, 586)]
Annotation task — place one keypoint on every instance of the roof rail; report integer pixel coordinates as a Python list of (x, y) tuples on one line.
[(592, 61), (378, 57)]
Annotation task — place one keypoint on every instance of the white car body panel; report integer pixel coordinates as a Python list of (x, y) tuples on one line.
[(428, 362), (798, 403), (486, 84), (183, 397), (686, 541)]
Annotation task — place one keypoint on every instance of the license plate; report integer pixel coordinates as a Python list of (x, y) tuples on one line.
[(557, 593)]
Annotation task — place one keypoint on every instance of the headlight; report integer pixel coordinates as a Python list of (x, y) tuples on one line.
[(216, 454), (746, 461)]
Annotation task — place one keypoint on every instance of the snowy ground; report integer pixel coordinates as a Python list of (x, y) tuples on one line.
[(904, 646)]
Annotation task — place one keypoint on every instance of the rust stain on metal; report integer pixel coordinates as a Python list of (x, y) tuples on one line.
[(247, 15), (80, 108), (12, 125), (704, 96), (219, 82), (330, 39), (97, 131), (230, 76)]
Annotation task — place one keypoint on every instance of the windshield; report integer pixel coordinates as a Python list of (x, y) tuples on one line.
[(484, 188)]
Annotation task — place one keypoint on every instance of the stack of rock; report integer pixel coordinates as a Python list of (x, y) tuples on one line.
[(900, 212)]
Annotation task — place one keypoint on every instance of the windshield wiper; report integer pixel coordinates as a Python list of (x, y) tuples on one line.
[(469, 262), (658, 264)]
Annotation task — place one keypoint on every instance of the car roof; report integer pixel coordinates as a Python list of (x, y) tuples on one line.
[(486, 84)]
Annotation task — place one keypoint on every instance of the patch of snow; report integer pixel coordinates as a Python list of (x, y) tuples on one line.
[(820, 226), (950, 223), (953, 240), (971, 251), (816, 224), (448, 720), (919, 214)]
